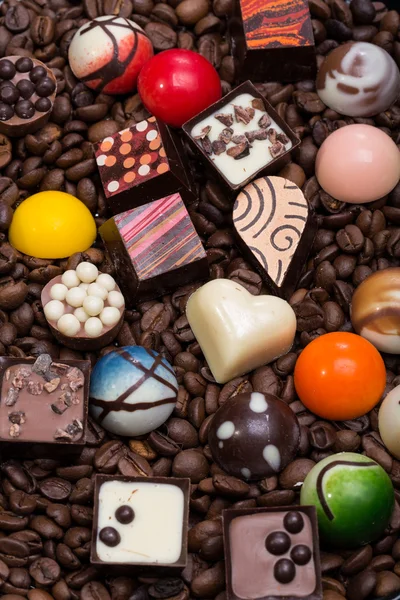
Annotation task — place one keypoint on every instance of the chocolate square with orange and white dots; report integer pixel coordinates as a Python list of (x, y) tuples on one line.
[(131, 157)]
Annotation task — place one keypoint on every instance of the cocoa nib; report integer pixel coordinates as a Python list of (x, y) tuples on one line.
[(206, 144), (283, 138), (226, 135), (226, 120), (258, 134), (42, 365), (17, 418), (12, 396), (62, 403), (277, 149), (75, 378), (218, 147), (241, 114), (239, 151), (250, 111), (71, 431), (14, 430), (239, 139), (52, 385), (21, 378), (204, 133), (35, 388), (258, 104), (272, 135), (264, 121)]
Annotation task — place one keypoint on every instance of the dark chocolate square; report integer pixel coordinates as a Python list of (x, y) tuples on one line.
[(161, 503), (154, 248), (229, 119), (59, 412), (140, 164), (273, 41), (252, 563)]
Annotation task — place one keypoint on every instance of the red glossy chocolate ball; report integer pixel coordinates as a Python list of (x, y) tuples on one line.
[(176, 85)]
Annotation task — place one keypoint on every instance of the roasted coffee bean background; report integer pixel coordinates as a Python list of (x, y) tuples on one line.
[(46, 505)]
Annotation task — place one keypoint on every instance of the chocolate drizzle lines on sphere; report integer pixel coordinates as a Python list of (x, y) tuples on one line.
[(115, 68), (120, 404)]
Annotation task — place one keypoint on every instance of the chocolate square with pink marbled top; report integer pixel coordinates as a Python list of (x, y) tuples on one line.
[(154, 248), (140, 164)]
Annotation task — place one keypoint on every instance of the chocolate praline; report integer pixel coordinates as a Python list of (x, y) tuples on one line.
[(358, 79), (254, 435)]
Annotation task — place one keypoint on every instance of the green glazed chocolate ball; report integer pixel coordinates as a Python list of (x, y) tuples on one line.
[(353, 496)]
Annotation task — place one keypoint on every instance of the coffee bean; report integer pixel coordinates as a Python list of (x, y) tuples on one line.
[(16, 20), (94, 590), (45, 571), (161, 35)]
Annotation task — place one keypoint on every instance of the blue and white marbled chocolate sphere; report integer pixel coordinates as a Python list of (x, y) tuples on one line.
[(132, 391)]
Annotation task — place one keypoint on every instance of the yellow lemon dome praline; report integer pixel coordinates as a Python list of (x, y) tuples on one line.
[(52, 225)]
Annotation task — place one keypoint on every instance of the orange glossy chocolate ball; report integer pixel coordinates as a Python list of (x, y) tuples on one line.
[(340, 376)]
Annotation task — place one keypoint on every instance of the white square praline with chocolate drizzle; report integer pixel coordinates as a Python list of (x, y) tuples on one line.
[(153, 533)]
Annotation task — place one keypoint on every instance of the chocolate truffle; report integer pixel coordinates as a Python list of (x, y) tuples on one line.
[(389, 421), (132, 391), (254, 435), (375, 310), (266, 559), (358, 164), (275, 228), (353, 496), (358, 80)]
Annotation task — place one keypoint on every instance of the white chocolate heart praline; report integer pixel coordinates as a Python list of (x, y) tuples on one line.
[(238, 332)]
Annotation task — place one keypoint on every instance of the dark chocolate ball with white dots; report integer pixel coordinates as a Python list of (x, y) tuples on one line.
[(254, 435)]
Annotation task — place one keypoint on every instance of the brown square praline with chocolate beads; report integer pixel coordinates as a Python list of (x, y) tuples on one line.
[(251, 563), (141, 164)]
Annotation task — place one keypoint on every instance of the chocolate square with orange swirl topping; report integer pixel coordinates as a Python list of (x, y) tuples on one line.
[(140, 164), (273, 40)]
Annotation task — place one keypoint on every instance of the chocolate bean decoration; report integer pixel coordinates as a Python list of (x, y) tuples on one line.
[(275, 229)]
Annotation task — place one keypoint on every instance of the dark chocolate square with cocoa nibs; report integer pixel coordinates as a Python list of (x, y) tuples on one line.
[(140, 164), (240, 137), (272, 553), (141, 522), (44, 402)]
